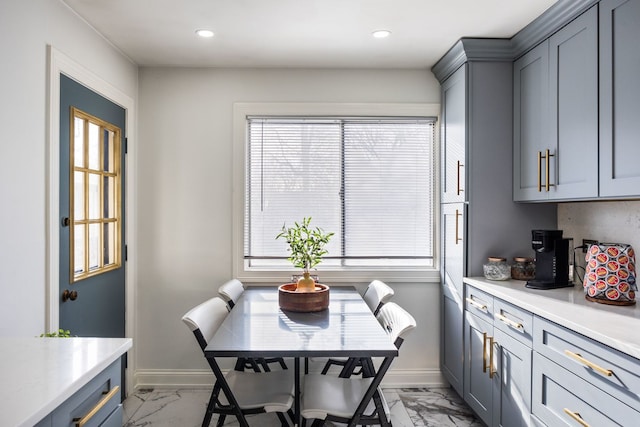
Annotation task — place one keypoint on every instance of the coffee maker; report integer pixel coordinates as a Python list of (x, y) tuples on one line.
[(552, 260)]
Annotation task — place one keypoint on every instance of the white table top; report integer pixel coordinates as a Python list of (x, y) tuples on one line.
[(257, 327), (615, 326), (38, 374)]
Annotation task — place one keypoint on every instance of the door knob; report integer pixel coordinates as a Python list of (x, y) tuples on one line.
[(69, 295), (65, 221)]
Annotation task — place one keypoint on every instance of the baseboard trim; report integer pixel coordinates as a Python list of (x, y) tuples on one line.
[(198, 378)]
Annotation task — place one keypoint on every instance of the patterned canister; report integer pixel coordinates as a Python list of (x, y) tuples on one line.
[(610, 276)]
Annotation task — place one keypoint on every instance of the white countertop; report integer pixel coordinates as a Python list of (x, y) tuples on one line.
[(616, 326), (38, 374)]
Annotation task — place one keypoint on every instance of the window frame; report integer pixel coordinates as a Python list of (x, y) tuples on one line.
[(333, 275)]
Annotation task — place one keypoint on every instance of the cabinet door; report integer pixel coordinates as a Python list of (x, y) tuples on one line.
[(512, 402), (573, 82), (478, 381), (619, 95), (451, 337), (531, 124), (454, 136)]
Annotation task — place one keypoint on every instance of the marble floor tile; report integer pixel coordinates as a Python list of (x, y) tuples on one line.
[(437, 407), (186, 407)]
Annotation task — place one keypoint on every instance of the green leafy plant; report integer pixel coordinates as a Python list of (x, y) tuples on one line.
[(60, 333), (306, 244)]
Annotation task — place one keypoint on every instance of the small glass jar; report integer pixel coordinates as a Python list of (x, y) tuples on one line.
[(523, 268), (497, 269)]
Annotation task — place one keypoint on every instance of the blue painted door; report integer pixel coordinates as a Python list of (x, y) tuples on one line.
[(92, 245)]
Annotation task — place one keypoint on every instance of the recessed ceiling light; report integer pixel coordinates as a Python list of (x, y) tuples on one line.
[(381, 34), (204, 33)]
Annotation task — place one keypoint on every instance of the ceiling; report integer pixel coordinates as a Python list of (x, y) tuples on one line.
[(300, 33)]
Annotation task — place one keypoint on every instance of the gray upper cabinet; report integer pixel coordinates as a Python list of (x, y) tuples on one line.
[(556, 115), (453, 130), (530, 123), (619, 95)]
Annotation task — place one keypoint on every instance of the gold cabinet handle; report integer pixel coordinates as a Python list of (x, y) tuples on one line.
[(579, 358), (539, 171), (492, 371), (458, 238), (459, 190), (476, 304), (509, 322), (547, 157), (576, 416), (484, 352), (80, 422)]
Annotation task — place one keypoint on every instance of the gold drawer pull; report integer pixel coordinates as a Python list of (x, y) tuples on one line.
[(459, 190), (509, 322), (80, 422), (576, 416), (579, 358), (492, 371), (476, 304)]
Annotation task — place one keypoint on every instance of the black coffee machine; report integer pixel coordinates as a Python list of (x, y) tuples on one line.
[(552, 260)]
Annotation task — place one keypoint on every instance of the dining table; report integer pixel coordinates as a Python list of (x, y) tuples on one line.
[(257, 327)]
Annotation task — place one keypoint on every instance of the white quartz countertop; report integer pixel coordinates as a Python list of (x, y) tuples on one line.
[(615, 326), (38, 374)]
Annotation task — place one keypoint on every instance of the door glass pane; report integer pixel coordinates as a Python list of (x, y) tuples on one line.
[(78, 142), (109, 151), (94, 196), (78, 253), (94, 146), (78, 195), (109, 197), (94, 246), (109, 243)]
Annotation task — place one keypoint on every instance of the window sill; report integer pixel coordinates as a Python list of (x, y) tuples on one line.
[(430, 275)]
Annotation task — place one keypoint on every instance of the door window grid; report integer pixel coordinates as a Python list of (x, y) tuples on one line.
[(94, 193)]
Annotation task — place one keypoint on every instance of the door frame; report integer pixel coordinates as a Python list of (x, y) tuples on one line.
[(59, 63)]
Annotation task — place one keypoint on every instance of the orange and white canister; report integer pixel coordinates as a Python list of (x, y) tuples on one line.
[(610, 276)]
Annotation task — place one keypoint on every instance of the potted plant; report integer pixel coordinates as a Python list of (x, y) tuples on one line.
[(306, 247)]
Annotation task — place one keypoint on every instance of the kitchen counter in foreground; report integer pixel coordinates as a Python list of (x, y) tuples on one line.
[(615, 326), (38, 374)]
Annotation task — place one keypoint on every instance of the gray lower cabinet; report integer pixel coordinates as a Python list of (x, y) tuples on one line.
[(619, 94), (497, 360), (97, 404), (556, 115)]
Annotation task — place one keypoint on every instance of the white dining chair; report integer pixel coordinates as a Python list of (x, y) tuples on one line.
[(247, 391), (376, 295), (356, 399), (231, 291)]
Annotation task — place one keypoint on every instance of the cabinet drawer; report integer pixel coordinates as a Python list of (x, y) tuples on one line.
[(610, 370), (479, 303), (516, 322), (560, 398), (101, 394)]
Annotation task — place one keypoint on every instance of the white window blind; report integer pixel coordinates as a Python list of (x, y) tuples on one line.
[(368, 180)]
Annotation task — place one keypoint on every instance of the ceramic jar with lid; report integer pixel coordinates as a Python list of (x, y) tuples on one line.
[(496, 268), (523, 268)]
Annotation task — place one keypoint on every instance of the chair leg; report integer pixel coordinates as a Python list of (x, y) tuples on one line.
[(282, 364), (221, 419), (283, 420), (210, 406)]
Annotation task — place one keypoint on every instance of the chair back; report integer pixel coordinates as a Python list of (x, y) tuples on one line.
[(205, 319), (231, 291), (396, 321), (377, 294)]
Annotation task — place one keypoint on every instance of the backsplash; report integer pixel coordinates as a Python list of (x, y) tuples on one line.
[(617, 221)]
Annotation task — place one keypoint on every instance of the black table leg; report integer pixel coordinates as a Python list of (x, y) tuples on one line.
[(296, 391)]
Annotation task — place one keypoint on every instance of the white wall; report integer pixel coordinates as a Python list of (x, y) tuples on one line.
[(617, 221), (26, 28), (185, 194)]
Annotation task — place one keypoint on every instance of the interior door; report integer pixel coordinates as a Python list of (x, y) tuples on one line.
[(92, 246)]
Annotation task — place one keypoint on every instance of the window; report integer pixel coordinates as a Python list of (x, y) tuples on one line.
[(94, 192), (370, 180)]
